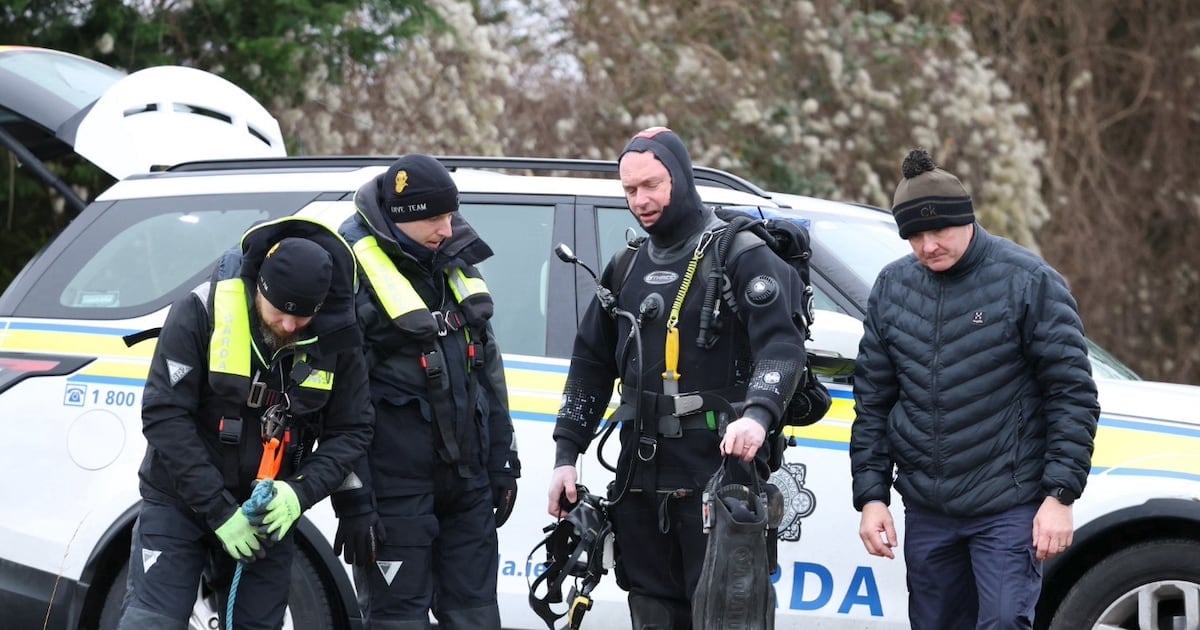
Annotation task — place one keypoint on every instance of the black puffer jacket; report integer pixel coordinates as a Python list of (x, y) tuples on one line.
[(974, 383)]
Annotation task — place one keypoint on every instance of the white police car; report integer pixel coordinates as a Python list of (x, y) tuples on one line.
[(70, 393)]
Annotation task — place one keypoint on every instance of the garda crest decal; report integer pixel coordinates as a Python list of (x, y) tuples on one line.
[(401, 181), (798, 502)]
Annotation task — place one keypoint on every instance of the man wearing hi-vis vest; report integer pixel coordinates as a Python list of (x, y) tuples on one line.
[(260, 380), (441, 473)]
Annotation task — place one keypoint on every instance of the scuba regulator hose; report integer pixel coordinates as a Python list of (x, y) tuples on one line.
[(587, 529), (635, 335), (608, 302)]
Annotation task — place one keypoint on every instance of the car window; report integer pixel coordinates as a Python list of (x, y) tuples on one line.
[(179, 243), (614, 228), (52, 80), (517, 275), (862, 247), (139, 255), (1105, 365)]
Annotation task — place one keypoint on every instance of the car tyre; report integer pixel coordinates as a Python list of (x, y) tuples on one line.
[(1158, 580), (308, 603)]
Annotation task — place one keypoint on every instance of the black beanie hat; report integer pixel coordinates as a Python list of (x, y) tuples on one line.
[(295, 276), (417, 187), (929, 198)]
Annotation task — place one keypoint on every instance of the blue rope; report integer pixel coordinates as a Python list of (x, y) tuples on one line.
[(256, 505)]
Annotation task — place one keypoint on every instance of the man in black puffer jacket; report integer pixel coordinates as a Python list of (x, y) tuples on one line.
[(973, 383)]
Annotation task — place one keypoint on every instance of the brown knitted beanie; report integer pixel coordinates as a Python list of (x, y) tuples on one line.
[(929, 198)]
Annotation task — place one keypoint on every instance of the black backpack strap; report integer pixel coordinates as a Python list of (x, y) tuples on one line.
[(732, 241), (622, 263)]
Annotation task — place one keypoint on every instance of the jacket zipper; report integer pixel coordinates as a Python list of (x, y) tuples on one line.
[(935, 370)]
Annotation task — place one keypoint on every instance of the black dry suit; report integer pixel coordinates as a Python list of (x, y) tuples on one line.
[(754, 365), (437, 379), (212, 378)]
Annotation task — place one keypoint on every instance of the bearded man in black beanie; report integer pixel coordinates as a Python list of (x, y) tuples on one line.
[(974, 393), (755, 365), (418, 518), (257, 390)]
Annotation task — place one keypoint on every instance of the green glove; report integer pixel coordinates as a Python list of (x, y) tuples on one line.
[(240, 539), (282, 511)]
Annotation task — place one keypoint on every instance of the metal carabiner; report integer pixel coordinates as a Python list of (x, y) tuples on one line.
[(705, 240)]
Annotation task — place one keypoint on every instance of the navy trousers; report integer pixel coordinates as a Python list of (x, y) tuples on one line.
[(971, 572), (441, 554), (173, 548)]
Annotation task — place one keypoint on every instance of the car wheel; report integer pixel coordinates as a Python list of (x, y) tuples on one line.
[(308, 603), (1149, 586)]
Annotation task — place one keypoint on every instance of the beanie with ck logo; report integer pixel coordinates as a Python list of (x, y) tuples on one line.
[(929, 198)]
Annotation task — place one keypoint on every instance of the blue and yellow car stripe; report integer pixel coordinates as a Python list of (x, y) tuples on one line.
[(1124, 446), (72, 339)]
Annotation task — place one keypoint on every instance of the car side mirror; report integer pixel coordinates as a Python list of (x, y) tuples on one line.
[(834, 344)]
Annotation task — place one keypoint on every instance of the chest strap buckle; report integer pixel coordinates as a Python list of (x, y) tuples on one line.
[(432, 363), (258, 392), (230, 430), (448, 321)]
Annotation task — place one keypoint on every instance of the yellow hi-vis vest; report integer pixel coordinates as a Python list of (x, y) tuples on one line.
[(229, 354), (404, 307), (408, 312)]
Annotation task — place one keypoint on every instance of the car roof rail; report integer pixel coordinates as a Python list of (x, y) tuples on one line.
[(703, 174)]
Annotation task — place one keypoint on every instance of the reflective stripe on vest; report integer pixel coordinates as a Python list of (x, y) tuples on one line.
[(231, 344), (397, 295), (318, 379), (465, 287), (229, 348)]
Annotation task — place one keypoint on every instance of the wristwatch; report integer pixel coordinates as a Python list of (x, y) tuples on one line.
[(1064, 495)]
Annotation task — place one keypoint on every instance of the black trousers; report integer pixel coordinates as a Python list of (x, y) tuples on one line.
[(663, 566), (172, 548), (441, 555)]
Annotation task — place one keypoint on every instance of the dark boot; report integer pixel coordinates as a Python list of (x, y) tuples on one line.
[(650, 613), (482, 618)]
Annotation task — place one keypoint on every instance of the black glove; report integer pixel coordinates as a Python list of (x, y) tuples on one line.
[(360, 536), (504, 497), (360, 530)]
